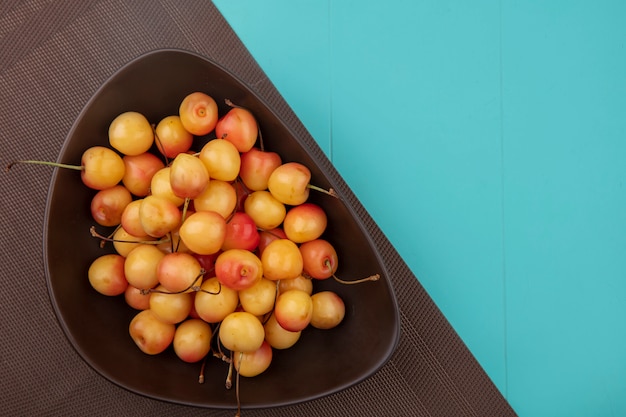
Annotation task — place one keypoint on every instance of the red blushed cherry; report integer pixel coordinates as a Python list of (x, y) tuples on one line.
[(253, 363), (241, 233), (108, 205), (239, 127), (256, 168), (207, 262), (238, 269), (305, 222), (171, 137), (319, 258), (139, 172)]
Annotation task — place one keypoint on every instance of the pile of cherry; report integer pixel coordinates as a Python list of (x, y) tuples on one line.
[(216, 249)]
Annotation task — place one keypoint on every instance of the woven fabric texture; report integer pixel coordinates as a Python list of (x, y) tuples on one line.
[(53, 58)]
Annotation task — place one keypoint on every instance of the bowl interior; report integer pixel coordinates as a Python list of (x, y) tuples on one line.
[(321, 363)]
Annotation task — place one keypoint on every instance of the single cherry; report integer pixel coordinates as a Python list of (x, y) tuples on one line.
[(100, 167)]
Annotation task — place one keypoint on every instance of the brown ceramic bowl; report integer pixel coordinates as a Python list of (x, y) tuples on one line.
[(321, 363)]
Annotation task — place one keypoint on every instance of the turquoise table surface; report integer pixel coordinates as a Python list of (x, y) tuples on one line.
[(488, 141)]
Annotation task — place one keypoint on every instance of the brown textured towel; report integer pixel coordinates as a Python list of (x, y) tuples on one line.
[(53, 57)]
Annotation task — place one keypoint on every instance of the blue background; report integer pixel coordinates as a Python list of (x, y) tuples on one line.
[(488, 140)]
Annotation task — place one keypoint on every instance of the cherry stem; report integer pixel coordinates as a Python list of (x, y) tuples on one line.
[(374, 277), (331, 192), (52, 164), (229, 376), (237, 386), (170, 236), (211, 292), (201, 376), (185, 208), (93, 232), (184, 216), (230, 103), (218, 354), (261, 144), (110, 236), (159, 143), (268, 315), (192, 287)]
